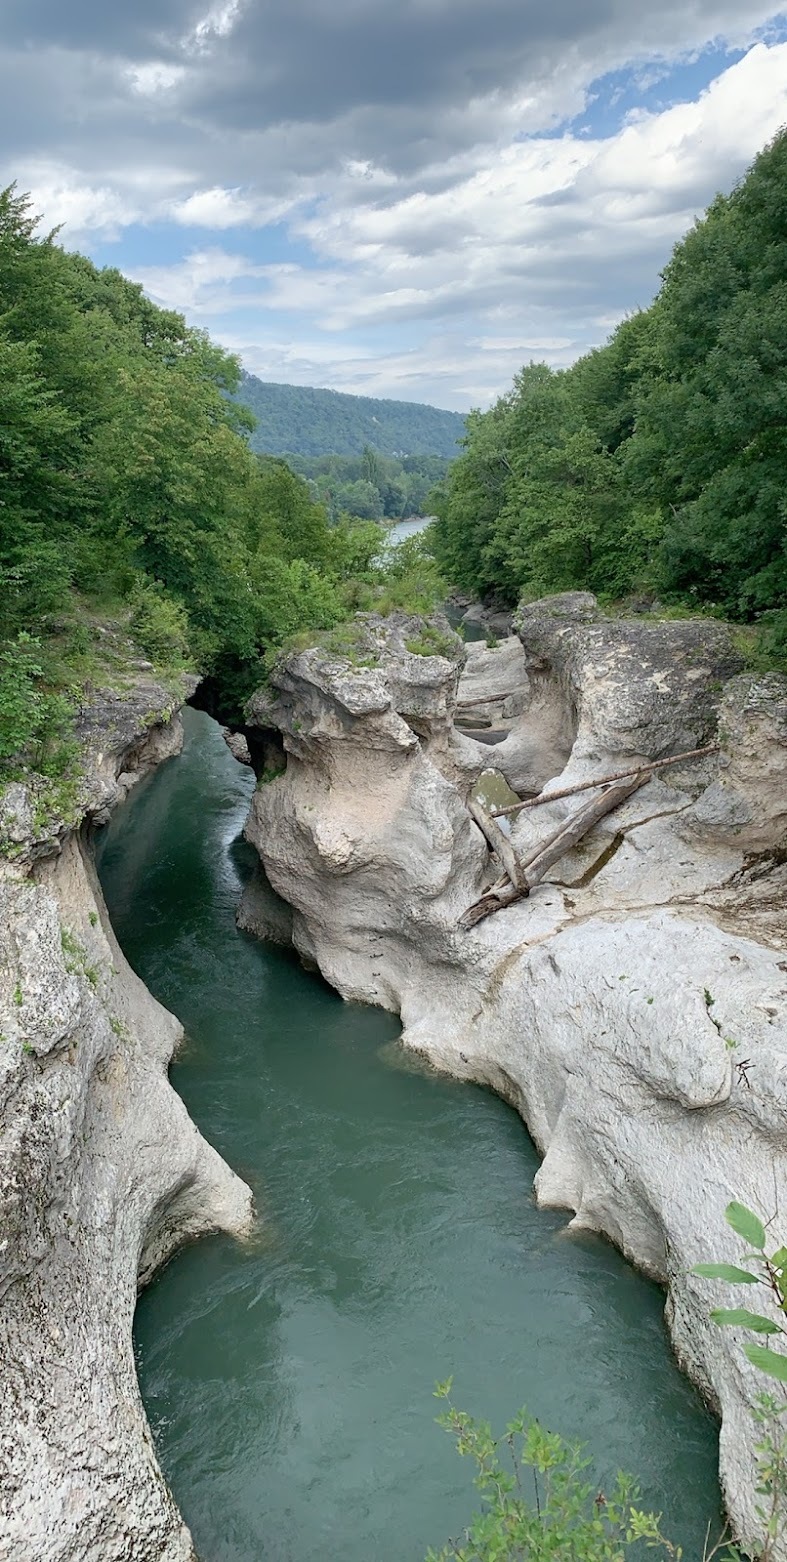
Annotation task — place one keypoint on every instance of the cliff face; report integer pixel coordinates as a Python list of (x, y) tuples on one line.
[(615, 1006), (102, 1173)]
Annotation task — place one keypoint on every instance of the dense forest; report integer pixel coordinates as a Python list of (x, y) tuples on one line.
[(371, 486), (657, 463), (129, 495), (298, 420), (129, 489)]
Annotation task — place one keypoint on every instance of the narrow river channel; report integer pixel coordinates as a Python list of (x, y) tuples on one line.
[(289, 1385)]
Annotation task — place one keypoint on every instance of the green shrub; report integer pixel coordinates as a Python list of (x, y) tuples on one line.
[(766, 1269), (36, 722), (159, 624), (350, 642), (764, 643), (432, 642), (538, 1504)]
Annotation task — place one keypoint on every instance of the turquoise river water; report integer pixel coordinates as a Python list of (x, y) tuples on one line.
[(289, 1384)]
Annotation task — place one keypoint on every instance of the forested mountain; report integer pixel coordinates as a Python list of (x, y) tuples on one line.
[(658, 462), (129, 493), (298, 420)]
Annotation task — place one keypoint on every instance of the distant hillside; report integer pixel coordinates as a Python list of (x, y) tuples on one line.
[(296, 419)]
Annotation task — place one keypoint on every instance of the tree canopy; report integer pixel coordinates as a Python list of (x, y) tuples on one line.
[(372, 486), (655, 463), (128, 486), (301, 420)]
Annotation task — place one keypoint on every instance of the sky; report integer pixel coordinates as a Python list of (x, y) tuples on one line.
[(405, 198)]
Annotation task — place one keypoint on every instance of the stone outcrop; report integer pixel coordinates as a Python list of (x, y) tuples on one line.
[(102, 1173), (496, 621), (614, 1007), (494, 687), (237, 745)]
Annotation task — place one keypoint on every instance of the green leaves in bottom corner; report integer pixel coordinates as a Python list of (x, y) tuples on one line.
[(746, 1224)]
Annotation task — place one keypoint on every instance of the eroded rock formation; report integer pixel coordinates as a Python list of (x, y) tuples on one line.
[(613, 1007), (102, 1173)]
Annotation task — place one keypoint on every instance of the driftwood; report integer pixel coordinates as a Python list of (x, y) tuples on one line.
[(532, 871), (500, 843), (500, 891), (645, 769)]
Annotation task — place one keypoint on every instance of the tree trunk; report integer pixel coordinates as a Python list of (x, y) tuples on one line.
[(550, 851)]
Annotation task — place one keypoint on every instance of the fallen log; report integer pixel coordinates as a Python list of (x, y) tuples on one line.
[(647, 766), (499, 842), (550, 851)]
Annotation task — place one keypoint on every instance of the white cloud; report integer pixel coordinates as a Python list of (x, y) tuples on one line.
[(545, 213), (79, 208), (218, 22), (202, 281), (439, 370), (219, 208), (450, 234), (155, 77), (535, 242)]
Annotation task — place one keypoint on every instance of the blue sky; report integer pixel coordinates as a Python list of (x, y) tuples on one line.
[(393, 197)]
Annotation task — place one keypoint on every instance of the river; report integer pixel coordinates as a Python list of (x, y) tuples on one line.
[(408, 528), (289, 1384)]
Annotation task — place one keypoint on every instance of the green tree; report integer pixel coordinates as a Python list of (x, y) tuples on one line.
[(360, 498), (655, 462)]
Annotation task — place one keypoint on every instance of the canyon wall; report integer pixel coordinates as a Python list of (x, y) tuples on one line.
[(102, 1172), (634, 1008)]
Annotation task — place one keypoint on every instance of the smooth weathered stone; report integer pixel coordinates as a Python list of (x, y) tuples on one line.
[(587, 1004), (102, 1175)]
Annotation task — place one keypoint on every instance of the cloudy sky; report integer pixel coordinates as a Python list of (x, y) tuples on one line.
[(403, 198)]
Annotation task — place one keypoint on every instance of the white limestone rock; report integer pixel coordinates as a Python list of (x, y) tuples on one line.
[(613, 1006), (102, 1176), (494, 684)]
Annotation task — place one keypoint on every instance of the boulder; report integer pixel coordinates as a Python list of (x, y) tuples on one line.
[(632, 686), (747, 803), (237, 745)]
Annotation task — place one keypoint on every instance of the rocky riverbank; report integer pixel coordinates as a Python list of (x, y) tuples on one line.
[(102, 1173), (615, 1006)]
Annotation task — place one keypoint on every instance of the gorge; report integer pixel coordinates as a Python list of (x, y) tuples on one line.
[(289, 1383), (288, 1378), (463, 1100), (610, 1007)]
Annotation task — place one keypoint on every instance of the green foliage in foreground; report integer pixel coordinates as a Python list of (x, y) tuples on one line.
[(656, 463), (766, 1270), (539, 1504)]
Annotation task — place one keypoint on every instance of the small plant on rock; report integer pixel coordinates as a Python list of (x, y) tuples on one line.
[(431, 641), (766, 1270)]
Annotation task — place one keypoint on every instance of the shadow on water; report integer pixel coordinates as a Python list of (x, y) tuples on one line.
[(289, 1384)]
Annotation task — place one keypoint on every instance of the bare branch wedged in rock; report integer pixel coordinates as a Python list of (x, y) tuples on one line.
[(525, 877)]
